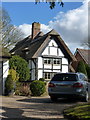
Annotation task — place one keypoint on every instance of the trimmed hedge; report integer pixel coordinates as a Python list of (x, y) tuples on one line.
[(37, 88)]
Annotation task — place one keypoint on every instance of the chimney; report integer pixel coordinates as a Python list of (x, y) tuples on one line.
[(35, 29)]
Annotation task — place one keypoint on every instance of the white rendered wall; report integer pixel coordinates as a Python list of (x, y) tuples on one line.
[(52, 42), (51, 49), (64, 68), (40, 74), (65, 65), (40, 66), (5, 72), (60, 53), (45, 52), (65, 61), (56, 66), (47, 66), (40, 62), (47, 70)]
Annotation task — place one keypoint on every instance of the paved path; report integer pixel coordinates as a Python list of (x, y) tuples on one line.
[(34, 108)]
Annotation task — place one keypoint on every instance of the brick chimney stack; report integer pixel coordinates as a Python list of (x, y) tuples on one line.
[(35, 29)]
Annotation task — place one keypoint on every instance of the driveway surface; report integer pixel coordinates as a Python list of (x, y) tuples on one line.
[(33, 108)]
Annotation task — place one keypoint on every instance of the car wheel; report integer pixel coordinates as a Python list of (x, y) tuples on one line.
[(54, 99), (86, 98)]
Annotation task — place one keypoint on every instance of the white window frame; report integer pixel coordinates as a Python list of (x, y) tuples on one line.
[(47, 75), (56, 61), (47, 61)]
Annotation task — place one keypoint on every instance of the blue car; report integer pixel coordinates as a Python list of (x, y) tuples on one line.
[(69, 85)]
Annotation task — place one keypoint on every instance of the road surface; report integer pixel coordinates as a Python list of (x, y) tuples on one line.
[(33, 108)]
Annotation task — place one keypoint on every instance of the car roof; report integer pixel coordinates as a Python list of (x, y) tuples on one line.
[(71, 73), (66, 73)]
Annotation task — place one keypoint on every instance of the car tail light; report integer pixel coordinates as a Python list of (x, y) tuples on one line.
[(78, 85), (51, 85)]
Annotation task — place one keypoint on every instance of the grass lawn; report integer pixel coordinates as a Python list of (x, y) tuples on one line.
[(78, 112)]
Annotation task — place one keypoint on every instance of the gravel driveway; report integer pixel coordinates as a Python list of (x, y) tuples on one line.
[(33, 108)]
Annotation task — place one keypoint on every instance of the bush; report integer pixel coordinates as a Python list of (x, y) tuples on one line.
[(22, 90), (21, 66), (81, 67), (14, 75), (9, 86), (37, 88), (42, 79), (88, 71)]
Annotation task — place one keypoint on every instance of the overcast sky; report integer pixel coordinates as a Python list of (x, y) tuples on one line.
[(71, 22)]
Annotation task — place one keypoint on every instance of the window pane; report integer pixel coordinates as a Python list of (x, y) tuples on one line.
[(47, 75), (58, 61), (49, 61), (54, 61), (45, 61)]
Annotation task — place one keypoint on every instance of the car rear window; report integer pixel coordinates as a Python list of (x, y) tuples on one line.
[(64, 77)]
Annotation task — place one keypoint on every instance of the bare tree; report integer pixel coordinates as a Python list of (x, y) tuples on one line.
[(9, 33), (86, 43)]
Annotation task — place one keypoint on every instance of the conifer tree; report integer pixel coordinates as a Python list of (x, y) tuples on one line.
[(81, 67)]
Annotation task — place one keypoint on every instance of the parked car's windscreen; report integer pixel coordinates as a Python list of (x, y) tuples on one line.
[(64, 77)]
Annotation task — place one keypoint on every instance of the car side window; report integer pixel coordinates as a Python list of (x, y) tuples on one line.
[(85, 78), (81, 77)]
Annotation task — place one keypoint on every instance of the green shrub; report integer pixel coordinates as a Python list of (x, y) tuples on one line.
[(9, 86), (22, 90), (88, 71), (14, 75), (81, 67), (37, 88), (42, 79), (21, 66)]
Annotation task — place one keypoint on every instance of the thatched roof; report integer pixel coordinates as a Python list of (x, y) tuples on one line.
[(36, 46)]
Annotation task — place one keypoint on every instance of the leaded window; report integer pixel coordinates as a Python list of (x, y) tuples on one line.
[(47, 61), (57, 61), (47, 75)]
